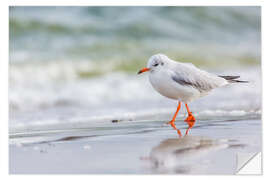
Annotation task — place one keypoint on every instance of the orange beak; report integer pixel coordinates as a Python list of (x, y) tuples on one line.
[(143, 70)]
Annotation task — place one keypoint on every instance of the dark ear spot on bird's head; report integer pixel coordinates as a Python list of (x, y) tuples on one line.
[(156, 64), (162, 63)]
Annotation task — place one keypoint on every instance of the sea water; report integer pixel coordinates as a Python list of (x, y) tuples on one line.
[(71, 67)]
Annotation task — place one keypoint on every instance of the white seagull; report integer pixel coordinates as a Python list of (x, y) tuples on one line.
[(183, 82)]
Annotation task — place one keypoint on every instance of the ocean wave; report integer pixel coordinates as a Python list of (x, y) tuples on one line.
[(48, 86), (135, 32), (119, 97)]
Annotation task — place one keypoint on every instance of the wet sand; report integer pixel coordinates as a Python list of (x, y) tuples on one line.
[(138, 147)]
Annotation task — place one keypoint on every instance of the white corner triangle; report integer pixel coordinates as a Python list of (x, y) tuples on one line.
[(249, 163)]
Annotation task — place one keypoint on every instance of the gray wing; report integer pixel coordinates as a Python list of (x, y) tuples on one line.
[(189, 75)]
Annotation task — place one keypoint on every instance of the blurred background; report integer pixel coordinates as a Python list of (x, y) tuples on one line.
[(72, 65)]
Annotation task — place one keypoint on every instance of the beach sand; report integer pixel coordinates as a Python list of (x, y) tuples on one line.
[(148, 146)]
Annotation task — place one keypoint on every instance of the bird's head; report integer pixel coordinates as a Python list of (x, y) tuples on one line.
[(155, 63)]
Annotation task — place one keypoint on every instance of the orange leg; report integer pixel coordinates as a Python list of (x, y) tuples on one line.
[(173, 120), (190, 120)]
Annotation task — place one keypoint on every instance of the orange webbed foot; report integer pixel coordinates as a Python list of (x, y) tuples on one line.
[(190, 120)]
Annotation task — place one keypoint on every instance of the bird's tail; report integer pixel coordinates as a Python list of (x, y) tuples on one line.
[(233, 79)]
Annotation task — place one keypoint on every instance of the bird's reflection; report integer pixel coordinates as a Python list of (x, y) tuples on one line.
[(182, 155)]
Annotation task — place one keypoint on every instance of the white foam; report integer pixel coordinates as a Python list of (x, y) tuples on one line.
[(57, 104)]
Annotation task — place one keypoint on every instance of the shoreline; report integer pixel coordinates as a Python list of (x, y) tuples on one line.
[(145, 147)]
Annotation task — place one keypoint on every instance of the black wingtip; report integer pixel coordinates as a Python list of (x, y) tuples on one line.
[(232, 79), (238, 81)]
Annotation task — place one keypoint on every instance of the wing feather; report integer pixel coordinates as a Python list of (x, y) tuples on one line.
[(187, 75)]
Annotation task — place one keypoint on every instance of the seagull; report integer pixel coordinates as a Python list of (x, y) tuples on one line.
[(183, 82)]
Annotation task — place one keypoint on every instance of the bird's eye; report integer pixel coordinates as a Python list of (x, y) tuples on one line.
[(155, 64)]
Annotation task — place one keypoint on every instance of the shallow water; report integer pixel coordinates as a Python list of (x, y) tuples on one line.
[(138, 148)]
